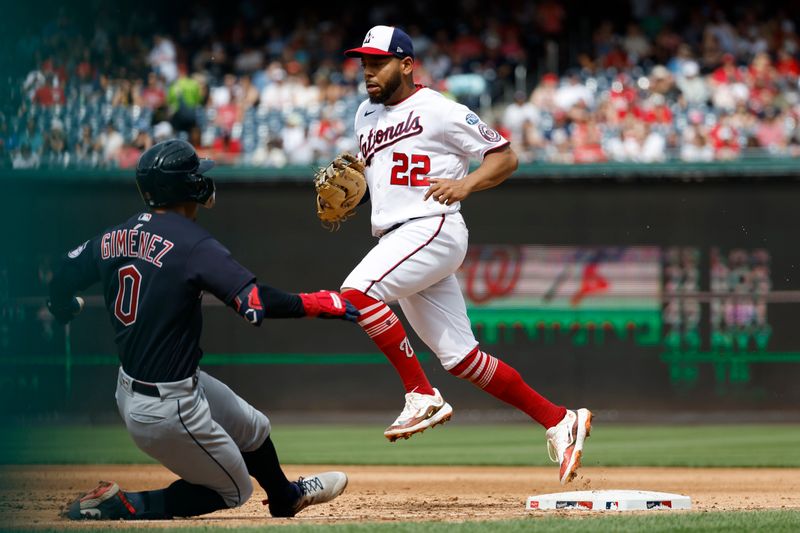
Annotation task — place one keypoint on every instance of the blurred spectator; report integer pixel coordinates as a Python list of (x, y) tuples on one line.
[(294, 141), (123, 94), (32, 137), (185, 95), (467, 88), (787, 65), (86, 149), (33, 81), (225, 101), (771, 133), (636, 45), (560, 149), (693, 88), (543, 96), (249, 94), (616, 58), (163, 58), (152, 94), (662, 83), (695, 146), (269, 154), (727, 84), (586, 137), (142, 142), (323, 136), (276, 94), (109, 144), (725, 139), (654, 110), (677, 63), (162, 131), (550, 16), (25, 158), (249, 60), (49, 93), (517, 116), (572, 92), (55, 151), (638, 143)]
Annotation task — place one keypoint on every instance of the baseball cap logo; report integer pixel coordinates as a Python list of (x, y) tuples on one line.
[(384, 41)]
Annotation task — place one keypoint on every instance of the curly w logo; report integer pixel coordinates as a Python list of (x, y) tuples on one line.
[(406, 347)]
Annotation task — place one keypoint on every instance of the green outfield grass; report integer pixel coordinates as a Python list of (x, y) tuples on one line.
[(610, 445), (657, 522)]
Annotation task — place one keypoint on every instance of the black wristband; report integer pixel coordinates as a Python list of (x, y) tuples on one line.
[(280, 304)]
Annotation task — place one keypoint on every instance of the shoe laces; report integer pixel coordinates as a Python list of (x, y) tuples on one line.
[(413, 401), (559, 440), (309, 485)]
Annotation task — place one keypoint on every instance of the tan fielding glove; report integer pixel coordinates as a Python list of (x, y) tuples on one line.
[(340, 186)]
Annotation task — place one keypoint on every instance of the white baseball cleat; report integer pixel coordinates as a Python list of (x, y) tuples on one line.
[(319, 488), (421, 412), (565, 442)]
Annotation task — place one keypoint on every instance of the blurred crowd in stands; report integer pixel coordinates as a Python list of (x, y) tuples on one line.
[(657, 83)]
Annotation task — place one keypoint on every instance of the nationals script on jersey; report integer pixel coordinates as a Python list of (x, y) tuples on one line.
[(424, 136)]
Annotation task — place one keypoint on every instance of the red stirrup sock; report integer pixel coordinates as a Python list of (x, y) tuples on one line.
[(386, 330), (505, 383)]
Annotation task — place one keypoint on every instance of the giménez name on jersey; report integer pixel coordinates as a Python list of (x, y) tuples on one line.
[(136, 244)]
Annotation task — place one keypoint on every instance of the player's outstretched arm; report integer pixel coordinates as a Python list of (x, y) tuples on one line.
[(76, 272), (65, 311), (496, 167), (256, 302)]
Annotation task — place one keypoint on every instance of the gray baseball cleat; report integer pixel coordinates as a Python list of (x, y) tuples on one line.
[(320, 488), (105, 502)]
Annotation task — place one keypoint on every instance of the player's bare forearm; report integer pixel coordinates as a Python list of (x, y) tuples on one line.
[(494, 170)]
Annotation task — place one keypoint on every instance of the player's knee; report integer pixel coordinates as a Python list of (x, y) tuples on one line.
[(263, 427), (246, 491), (237, 494), (457, 364), (267, 427), (255, 432)]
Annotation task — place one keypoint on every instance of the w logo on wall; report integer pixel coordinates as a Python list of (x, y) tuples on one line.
[(564, 287)]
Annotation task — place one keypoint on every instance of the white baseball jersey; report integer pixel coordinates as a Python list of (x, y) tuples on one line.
[(424, 136)]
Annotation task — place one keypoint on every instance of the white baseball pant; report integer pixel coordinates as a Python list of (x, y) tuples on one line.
[(415, 265)]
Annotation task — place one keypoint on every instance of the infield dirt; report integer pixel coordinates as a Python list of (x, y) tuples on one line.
[(33, 496)]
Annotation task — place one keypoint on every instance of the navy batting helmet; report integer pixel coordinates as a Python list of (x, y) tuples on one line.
[(170, 172)]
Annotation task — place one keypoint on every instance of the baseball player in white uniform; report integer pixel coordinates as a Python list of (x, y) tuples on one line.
[(417, 145)]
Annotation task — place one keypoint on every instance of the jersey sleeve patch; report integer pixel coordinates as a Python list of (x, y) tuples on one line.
[(72, 254), (488, 133), (472, 119)]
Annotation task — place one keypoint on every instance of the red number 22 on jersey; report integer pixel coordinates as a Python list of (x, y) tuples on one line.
[(417, 176)]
